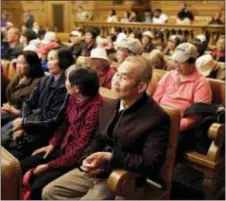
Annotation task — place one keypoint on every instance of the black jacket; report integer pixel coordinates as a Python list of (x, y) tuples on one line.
[(41, 111), (138, 141), (11, 53), (77, 49), (208, 114)]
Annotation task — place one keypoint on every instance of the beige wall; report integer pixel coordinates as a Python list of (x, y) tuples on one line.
[(42, 10)]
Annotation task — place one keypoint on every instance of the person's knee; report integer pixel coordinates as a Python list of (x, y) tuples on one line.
[(48, 192)]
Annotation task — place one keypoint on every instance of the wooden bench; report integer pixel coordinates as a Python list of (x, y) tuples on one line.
[(63, 37), (8, 69)]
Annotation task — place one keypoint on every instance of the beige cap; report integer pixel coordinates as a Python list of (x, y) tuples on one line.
[(132, 44), (206, 64), (76, 33), (149, 34), (99, 53), (157, 53), (184, 52)]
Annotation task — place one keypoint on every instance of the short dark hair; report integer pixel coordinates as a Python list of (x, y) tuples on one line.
[(113, 12), (158, 10), (41, 32), (86, 80), (201, 48), (93, 31), (34, 63), (30, 35), (65, 57)]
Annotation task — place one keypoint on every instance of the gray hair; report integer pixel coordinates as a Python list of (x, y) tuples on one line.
[(144, 74)]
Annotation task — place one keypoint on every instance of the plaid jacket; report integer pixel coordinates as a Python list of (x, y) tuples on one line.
[(75, 134)]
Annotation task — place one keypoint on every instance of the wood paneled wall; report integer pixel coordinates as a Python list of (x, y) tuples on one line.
[(100, 9)]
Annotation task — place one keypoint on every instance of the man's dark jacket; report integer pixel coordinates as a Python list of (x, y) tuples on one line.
[(139, 140)]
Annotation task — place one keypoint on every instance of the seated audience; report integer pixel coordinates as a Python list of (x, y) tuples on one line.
[(4, 44), (185, 16), (35, 44), (41, 34), (26, 37), (126, 17), (128, 47), (201, 47), (28, 19), (120, 34), (147, 16), (35, 27), (157, 59), (41, 111), (69, 141), (146, 41), (90, 41), (108, 45), (49, 42), (77, 44), (4, 18), (112, 16), (219, 52), (13, 48), (100, 63), (133, 17), (159, 41), (173, 42), (184, 86), (4, 84), (133, 135), (203, 40), (210, 68), (216, 19), (83, 15), (159, 17), (29, 71)]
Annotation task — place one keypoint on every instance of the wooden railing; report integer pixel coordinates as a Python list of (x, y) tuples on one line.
[(211, 31)]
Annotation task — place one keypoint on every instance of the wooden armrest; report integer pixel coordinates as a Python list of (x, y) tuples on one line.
[(213, 158), (216, 132), (123, 183)]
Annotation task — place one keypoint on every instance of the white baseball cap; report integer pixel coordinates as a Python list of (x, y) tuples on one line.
[(99, 53), (132, 44), (206, 64), (184, 52), (49, 36), (201, 37)]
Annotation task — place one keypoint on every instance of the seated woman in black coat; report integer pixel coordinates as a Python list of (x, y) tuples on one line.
[(29, 71)]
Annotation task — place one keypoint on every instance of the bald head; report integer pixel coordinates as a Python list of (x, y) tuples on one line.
[(142, 67), (132, 78)]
